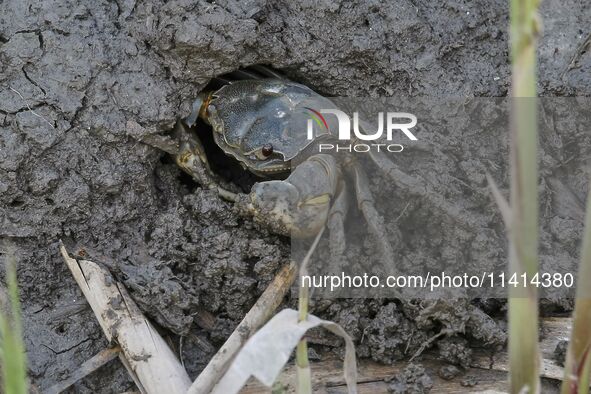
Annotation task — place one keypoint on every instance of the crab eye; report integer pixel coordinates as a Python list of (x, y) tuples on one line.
[(267, 150)]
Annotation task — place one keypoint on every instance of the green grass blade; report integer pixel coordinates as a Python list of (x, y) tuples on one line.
[(12, 354), (303, 372), (304, 375), (523, 223)]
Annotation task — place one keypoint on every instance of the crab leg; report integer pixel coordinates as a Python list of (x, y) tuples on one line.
[(267, 72), (241, 74), (336, 225), (191, 158), (415, 184), (374, 220), (419, 187)]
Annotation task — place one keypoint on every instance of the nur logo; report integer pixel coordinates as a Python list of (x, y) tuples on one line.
[(344, 122), (391, 120), (319, 119)]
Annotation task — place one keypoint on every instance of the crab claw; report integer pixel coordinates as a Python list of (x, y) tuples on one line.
[(277, 205), (299, 205)]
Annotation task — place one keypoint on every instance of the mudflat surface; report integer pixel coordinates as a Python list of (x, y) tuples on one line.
[(73, 74)]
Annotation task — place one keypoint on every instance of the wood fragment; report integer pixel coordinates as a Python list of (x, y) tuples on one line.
[(327, 377), (150, 362), (491, 372), (205, 319), (262, 310), (64, 312), (554, 330), (88, 367)]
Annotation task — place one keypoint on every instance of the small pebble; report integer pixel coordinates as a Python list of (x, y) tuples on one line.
[(469, 381), (560, 352), (448, 372)]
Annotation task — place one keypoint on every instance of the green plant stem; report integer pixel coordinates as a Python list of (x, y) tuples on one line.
[(304, 376), (523, 226), (12, 348), (578, 359)]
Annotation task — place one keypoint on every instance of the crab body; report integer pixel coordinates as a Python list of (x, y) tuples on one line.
[(262, 123)]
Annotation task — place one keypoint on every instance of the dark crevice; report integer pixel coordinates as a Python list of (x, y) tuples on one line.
[(221, 164), (119, 10), (29, 108), (41, 42), (67, 349), (17, 202), (84, 102), (31, 80), (186, 180), (58, 31), (24, 31), (40, 310), (74, 120)]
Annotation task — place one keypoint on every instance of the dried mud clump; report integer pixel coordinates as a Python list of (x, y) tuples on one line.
[(413, 380)]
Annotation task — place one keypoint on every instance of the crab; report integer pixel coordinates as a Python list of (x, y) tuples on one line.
[(259, 120)]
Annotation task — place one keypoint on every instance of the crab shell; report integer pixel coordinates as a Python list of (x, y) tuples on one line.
[(249, 115)]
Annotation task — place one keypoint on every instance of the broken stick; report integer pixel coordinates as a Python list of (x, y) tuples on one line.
[(147, 357), (88, 367), (258, 315)]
